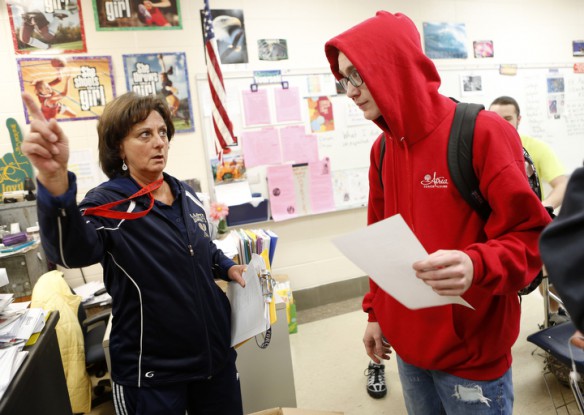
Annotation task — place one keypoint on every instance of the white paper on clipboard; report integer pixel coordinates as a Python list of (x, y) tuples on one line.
[(249, 311)]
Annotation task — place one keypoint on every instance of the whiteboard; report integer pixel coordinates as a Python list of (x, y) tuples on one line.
[(347, 146), (551, 100)]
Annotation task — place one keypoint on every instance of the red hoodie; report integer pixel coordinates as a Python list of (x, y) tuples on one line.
[(416, 119)]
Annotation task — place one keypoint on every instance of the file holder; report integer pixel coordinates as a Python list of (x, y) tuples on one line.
[(248, 213)]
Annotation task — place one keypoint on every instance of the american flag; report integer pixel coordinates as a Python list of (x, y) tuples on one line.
[(221, 122)]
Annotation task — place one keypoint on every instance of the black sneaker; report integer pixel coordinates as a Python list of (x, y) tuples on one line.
[(376, 387)]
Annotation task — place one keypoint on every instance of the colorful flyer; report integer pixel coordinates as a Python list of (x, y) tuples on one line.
[(163, 74), (231, 169), (320, 111), (137, 14), (68, 89), (54, 26)]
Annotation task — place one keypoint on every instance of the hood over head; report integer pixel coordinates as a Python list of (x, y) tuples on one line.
[(387, 52)]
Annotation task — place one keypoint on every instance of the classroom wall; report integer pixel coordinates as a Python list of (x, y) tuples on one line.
[(528, 32)]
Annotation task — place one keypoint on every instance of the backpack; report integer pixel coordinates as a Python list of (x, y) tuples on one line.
[(462, 171)]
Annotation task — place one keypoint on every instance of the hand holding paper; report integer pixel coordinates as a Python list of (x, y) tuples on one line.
[(249, 311), (386, 251), (448, 272)]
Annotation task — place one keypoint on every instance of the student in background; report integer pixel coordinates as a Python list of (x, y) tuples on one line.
[(549, 169), (170, 338), (562, 252), (547, 164), (451, 359)]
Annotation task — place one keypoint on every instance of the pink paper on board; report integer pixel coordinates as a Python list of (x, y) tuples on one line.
[(287, 104), (261, 147), (297, 147), (255, 107), (281, 192), (321, 186)]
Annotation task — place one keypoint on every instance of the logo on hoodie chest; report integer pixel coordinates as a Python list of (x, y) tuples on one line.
[(434, 181), (201, 221)]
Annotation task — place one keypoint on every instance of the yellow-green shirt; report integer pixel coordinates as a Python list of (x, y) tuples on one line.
[(547, 164)]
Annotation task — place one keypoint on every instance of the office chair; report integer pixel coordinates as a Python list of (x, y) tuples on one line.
[(554, 341), (93, 329)]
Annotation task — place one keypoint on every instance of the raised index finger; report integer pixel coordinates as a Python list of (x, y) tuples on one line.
[(34, 110)]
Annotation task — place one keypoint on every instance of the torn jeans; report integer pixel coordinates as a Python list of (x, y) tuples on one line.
[(431, 392)]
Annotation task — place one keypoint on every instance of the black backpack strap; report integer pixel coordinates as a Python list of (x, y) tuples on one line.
[(532, 175), (380, 164), (460, 157)]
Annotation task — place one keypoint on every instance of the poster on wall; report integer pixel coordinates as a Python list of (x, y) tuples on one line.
[(229, 31), (272, 49), (483, 49), (471, 85), (163, 74), (40, 25), (555, 95), (578, 48), (320, 113), (137, 14), (68, 88), (445, 40)]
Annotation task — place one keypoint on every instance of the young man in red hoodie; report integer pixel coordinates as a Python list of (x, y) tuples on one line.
[(450, 358)]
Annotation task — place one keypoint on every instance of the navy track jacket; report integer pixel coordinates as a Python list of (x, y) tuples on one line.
[(171, 321)]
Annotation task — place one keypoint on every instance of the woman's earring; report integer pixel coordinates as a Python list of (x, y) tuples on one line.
[(124, 167)]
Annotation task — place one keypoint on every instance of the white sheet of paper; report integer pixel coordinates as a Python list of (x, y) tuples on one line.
[(3, 277), (232, 194), (386, 251), (249, 315)]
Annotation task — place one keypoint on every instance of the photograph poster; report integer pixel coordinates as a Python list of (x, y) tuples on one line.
[(471, 85), (229, 29), (38, 25), (578, 48), (163, 74), (483, 49), (68, 88), (272, 49), (445, 40), (137, 14)]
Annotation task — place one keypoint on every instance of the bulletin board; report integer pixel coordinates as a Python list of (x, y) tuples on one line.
[(550, 97), (339, 146)]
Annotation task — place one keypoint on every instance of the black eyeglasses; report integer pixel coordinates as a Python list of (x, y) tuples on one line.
[(354, 78)]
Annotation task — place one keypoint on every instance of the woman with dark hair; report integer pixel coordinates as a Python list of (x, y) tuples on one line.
[(170, 337)]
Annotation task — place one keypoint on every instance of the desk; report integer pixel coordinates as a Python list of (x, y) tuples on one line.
[(39, 386), (266, 375)]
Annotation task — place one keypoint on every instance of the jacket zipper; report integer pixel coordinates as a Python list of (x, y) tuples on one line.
[(62, 214)]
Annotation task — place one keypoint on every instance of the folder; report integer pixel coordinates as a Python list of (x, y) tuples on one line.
[(273, 241)]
